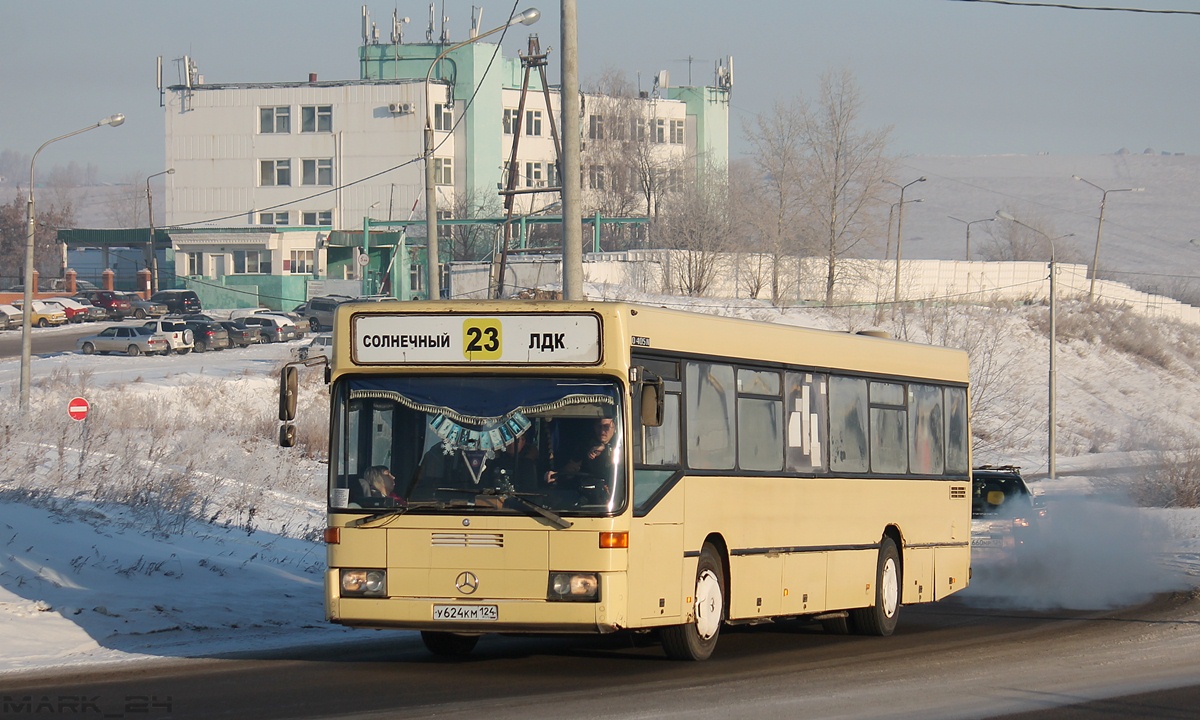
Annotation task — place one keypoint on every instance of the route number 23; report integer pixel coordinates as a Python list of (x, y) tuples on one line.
[(482, 339)]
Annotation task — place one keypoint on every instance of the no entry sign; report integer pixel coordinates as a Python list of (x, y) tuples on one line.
[(78, 408)]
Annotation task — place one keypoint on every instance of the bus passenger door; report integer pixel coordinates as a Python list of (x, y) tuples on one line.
[(656, 564)]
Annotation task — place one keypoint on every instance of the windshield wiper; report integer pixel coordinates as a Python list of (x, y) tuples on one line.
[(389, 512), (505, 494)]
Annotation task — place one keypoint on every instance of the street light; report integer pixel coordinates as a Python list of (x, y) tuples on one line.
[(900, 230), (1051, 437), (150, 212), (527, 17), (969, 223), (891, 212), (1099, 228), (26, 325)]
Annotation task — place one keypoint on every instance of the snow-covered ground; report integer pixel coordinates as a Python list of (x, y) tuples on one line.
[(222, 553)]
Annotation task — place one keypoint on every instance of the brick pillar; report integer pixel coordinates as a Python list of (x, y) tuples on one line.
[(143, 283), (34, 287), (106, 279), (69, 276)]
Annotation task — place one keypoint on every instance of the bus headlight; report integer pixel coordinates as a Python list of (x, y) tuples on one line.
[(574, 586), (364, 583)]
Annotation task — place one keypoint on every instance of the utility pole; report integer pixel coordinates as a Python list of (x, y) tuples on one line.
[(572, 226)]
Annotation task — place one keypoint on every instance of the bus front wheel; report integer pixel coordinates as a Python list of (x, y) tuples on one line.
[(697, 639), (881, 618), (447, 644)]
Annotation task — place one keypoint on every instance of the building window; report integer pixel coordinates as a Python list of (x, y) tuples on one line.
[(510, 120), (275, 173), (637, 129), (596, 177), (533, 122), (251, 262), (275, 119), (273, 218), (302, 262), (533, 175), (445, 229), (596, 127), (658, 131), (443, 171), (323, 217), (195, 263), (552, 174), (316, 118), (316, 172), (443, 117), (677, 132)]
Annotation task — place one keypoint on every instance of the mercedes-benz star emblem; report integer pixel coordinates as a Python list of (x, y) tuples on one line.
[(466, 582)]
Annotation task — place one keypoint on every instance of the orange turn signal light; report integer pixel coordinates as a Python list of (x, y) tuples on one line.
[(614, 540), (333, 535)]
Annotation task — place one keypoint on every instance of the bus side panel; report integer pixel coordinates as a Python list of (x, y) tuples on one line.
[(804, 583), (755, 582), (918, 575), (852, 574), (656, 564), (953, 567)]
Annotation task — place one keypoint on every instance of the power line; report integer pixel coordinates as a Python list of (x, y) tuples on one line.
[(1063, 6)]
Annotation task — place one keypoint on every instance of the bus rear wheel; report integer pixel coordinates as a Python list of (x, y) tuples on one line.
[(447, 644), (697, 639), (881, 618)]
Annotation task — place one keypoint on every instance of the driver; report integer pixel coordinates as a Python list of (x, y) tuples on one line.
[(592, 456)]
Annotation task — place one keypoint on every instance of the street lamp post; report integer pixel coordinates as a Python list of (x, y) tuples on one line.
[(1051, 436), (150, 213), (900, 230), (969, 223), (891, 213), (527, 17), (1100, 228), (27, 308)]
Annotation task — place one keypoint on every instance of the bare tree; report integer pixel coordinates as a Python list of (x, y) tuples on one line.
[(778, 141), (473, 242), (845, 168), (1011, 242), (695, 223), (127, 207), (54, 212)]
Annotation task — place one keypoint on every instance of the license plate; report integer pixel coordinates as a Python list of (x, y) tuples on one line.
[(466, 612)]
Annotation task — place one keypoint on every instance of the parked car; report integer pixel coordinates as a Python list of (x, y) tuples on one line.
[(300, 325), (94, 312), (1006, 516), (241, 334), (75, 311), (10, 316), (178, 334), (321, 344), (274, 329), (178, 301), (127, 339), (143, 308), (208, 335), (117, 306), (319, 310), (42, 314)]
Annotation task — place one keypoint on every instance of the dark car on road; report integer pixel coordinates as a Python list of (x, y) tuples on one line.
[(1006, 517), (241, 334), (208, 335)]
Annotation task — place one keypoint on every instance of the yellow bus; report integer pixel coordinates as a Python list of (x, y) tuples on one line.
[(594, 467)]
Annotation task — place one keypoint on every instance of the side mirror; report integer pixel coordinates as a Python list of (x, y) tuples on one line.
[(287, 435), (652, 402), (288, 383)]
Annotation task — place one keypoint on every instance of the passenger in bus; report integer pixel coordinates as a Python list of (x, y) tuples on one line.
[(381, 486), (515, 466)]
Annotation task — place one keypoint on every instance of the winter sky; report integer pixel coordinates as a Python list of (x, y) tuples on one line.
[(950, 77)]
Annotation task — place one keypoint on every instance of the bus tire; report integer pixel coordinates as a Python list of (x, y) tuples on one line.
[(697, 639), (880, 619), (447, 644)]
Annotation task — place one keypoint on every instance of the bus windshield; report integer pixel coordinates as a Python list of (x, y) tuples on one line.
[(429, 444)]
